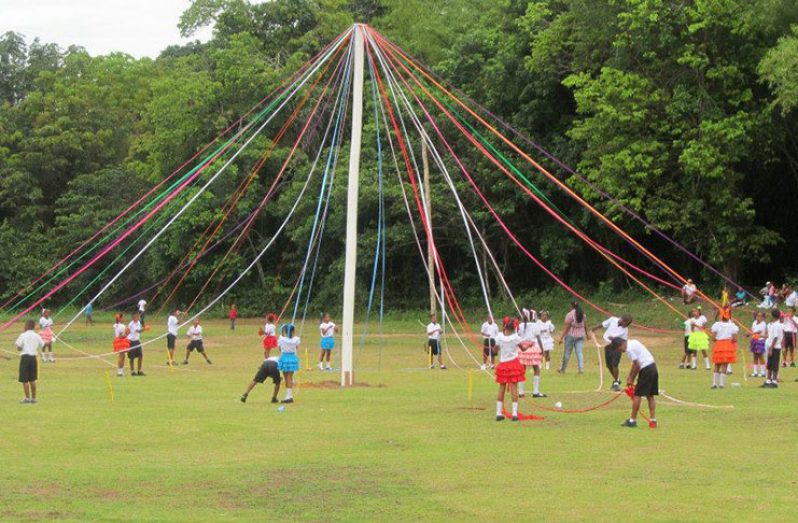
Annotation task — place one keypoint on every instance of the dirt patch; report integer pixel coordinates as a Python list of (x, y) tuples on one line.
[(330, 384)]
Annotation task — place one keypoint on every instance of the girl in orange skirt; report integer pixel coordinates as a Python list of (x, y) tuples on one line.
[(121, 343), (269, 333), (509, 372), (724, 350)]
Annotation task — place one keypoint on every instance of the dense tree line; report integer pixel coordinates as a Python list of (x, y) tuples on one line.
[(684, 110)]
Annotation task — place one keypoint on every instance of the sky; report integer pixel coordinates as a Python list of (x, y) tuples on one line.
[(137, 27)]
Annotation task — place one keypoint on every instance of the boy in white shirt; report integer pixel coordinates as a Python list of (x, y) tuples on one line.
[(194, 334), (28, 344), (790, 331), (614, 327), (773, 345), (645, 370), (135, 354), (489, 332), (172, 323), (434, 341)]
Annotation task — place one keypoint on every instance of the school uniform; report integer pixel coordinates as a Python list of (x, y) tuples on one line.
[(775, 340), (509, 369), (699, 340), (725, 347), (648, 377), (171, 331), (545, 330), (268, 369), (327, 330), (195, 332), (134, 337), (434, 338), (613, 329), (288, 362), (46, 330), (489, 332), (532, 355), (29, 344), (688, 329), (141, 306), (790, 330), (759, 332)]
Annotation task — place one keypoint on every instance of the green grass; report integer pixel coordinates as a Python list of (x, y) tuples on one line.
[(410, 446)]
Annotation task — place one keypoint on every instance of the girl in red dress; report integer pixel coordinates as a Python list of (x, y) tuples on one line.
[(509, 372)]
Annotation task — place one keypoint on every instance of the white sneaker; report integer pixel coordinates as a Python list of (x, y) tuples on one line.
[(321, 366), (120, 373), (52, 358), (483, 367)]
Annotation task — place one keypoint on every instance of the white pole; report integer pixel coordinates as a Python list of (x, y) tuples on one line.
[(348, 330)]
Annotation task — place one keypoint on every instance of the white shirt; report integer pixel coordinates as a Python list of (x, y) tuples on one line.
[(545, 329), (195, 332), (689, 289), (701, 321), (775, 335), (528, 332), (790, 324), (613, 330), (489, 330), (688, 326), (508, 346), (45, 322), (288, 345), (434, 331), (638, 352), (760, 328), (142, 305), (119, 330), (272, 358), (725, 330), (792, 299), (29, 343), (171, 325), (268, 329), (327, 329), (135, 330)]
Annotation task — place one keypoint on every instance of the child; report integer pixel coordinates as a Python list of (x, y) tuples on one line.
[(774, 344), (121, 343), (531, 354), (724, 350), (288, 363), (434, 341), (509, 372), (233, 316), (545, 330), (699, 340), (171, 334), (645, 370), (194, 333), (689, 292), (790, 330), (268, 369), (141, 307), (689, 355), (135, 354), (88, 312), (614, 327), (489, 331), (269, 332), (759, 333), (327, 330), (47, 335), (28, 344)]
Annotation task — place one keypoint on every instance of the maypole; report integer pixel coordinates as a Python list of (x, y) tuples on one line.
[(348, 331)]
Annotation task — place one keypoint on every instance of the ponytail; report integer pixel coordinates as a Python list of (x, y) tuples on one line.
[(580, 314)]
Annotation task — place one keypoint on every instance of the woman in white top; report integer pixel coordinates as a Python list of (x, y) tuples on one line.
[(509, 372), (759, 332), (288, 363)]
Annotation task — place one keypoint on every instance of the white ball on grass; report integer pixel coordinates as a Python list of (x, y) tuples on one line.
[(558, 405)]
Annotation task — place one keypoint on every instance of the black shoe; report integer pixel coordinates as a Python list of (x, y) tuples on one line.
[(289, 400), (500, 418), (141, 373), (209, 362), (185, 362), (538, 395), (774, 385), (244, 398), (714, 387), (275, 400), (766, 385), (629, 423), (134, 373), (616, 386), (514, 418)]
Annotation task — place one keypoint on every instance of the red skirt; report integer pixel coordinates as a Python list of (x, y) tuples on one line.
[(724, 351), (269, 342), (121, 344), (510, 372)]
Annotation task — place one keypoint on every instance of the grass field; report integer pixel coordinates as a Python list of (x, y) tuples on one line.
[(405, 445)]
